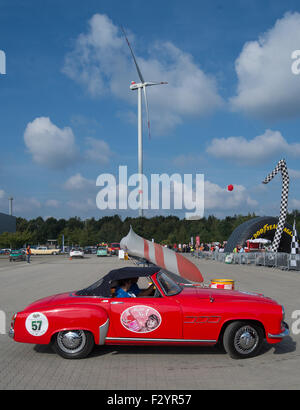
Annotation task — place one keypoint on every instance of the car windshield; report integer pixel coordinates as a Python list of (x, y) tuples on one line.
[(168, 285)]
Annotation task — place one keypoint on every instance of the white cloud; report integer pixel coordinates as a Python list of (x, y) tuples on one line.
[(267, 88), (260, 148), (102, 63), (181, 161), (52, 203), (98, 151), (294, 173), (83, 205), (294, 204), (26, 206), (79, 183), (218, 198), (50, 145), (55, 147)]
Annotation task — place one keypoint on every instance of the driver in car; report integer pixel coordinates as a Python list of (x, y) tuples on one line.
[(128, 288)]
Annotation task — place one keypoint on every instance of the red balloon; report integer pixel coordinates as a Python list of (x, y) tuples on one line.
[(230, 187)]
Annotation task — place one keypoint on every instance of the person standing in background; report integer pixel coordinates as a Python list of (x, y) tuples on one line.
[(28, 253)]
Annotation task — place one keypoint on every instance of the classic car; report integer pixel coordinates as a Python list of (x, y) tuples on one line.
[(177, 312), (114, 248), (102, 251), (43, 250), (5, 251), (17, 255), (76, 253)]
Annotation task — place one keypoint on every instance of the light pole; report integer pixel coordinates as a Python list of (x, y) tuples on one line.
[(10, 209)]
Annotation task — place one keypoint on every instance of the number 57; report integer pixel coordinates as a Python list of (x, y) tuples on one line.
[(36, 325)]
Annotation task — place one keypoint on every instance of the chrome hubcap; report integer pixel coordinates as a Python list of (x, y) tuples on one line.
[(246, 340), (71, 341)]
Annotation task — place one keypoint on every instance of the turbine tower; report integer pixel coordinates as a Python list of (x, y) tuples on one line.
[(139, 86)]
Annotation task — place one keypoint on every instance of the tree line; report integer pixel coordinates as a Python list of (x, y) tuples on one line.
[(164, 230)]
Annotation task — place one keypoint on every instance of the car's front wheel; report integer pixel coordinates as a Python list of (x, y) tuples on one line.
[(73, 344), (242, 340)]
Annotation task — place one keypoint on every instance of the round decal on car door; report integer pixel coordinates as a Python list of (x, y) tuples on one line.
[(140, 319)]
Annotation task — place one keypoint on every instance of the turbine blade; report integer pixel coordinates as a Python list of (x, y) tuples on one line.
[(135, 62), (147, 111), (149, 83)]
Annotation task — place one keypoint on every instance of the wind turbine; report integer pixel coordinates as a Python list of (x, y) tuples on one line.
[(139, 86)]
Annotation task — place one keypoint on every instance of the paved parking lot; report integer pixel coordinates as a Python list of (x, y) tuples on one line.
[(132, 368)]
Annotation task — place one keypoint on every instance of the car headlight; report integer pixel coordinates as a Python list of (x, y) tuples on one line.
[(12, 326)]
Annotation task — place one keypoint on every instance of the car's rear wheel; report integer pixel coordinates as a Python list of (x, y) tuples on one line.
[(242, 340), (73, 344)]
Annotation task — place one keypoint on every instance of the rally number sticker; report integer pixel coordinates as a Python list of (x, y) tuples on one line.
[(37, 324)]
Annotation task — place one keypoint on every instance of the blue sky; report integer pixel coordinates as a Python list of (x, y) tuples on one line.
[(231, 109)]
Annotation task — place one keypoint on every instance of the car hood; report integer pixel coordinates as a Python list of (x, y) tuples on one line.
[(224, 294)]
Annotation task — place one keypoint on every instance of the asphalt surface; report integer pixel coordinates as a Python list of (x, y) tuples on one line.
[(24, 366)]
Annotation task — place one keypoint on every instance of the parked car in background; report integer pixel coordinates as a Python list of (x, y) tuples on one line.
[(102, 251), (114, 248), (5, 251), (17, 255), (43, 250), (77, 253)]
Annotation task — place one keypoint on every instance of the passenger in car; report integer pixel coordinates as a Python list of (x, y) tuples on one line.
[(128, 288), (134, 288)]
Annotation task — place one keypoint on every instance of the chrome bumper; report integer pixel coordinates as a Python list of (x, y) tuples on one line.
[(281, 335)]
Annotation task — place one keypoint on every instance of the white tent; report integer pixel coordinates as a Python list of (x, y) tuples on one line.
[(259, 240)]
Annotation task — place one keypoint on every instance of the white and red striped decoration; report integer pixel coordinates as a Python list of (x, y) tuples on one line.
[(161, 256)]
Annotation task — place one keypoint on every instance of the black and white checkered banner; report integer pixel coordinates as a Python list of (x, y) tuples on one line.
[(294, 247), (280, 167)]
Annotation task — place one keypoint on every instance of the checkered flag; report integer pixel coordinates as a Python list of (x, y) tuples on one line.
[(280, 167), (294, 247)]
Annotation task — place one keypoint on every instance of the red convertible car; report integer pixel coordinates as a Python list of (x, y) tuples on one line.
[(173, 313)]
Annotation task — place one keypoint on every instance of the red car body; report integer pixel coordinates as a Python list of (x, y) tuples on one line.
[(114, 248), (191, 316)]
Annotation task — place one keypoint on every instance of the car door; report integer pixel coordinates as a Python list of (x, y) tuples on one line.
[(202, 317), (145, 318)]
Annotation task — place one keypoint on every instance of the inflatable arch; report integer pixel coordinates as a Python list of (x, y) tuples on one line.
[(260, 227)]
